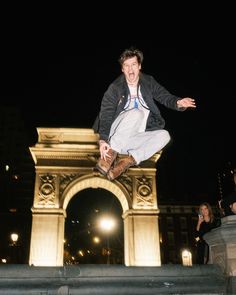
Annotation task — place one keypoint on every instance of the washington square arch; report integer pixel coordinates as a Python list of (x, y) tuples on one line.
[(64, 165)]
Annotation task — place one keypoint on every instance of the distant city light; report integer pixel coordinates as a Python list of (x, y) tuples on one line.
[(96, 240), (14, 237), (160, 237), (7, 167), (13, 210)]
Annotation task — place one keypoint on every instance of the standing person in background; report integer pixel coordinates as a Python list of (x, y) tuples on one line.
[(228, 204), (129, 121), (206, 222)]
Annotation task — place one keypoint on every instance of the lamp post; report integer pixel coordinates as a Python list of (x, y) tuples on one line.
[(107, 224)]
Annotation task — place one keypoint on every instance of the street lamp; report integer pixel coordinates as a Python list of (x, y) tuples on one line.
[(13, 247), (14, 238), (107, 224)]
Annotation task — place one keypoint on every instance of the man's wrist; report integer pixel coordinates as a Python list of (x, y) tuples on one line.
[(179, 103), (101, 141)]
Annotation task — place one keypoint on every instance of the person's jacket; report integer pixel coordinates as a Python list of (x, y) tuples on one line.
[(116, 96), (205, 227)]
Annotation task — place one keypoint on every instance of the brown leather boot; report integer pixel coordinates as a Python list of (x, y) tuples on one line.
[(104, 166), (121, 167)]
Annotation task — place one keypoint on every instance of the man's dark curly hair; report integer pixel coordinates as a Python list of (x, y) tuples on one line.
[(129, 53)]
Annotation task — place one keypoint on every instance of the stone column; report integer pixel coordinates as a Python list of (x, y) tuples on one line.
[(141, 236), (47, 237)]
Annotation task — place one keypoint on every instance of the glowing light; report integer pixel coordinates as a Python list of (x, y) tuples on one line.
[(96, 240), (107, 223), (14, 237), (81, 253), (186, 258)]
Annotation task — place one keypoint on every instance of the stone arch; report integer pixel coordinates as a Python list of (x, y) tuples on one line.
[(90, 181), (64, 162)]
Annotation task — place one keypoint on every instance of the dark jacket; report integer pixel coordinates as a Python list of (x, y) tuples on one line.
[(205, 227), (202, 254), (116, 96)]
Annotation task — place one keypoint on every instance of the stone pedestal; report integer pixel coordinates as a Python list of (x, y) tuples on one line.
[(222, 244)]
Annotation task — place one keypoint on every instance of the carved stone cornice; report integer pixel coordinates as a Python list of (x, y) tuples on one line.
[(75, 144), (66, 135)]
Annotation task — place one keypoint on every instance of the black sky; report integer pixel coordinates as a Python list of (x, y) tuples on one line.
[(57, 85)]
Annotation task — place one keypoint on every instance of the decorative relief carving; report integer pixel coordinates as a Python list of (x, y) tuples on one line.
[(47, 189), (144, 191), (51, 136), (65, 179), (126, 181), (47, 193)]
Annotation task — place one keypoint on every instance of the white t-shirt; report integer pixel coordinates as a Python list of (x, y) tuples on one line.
[(135, 101)]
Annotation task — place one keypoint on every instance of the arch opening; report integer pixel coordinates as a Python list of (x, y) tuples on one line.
[(86, 241)]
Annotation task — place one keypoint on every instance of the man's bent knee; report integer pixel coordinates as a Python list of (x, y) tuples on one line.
[(166, 136)]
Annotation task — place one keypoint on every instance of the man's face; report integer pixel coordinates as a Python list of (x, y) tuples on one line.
[(131, 69), (233, 207)]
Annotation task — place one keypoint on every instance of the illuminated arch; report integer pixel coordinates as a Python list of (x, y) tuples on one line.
[(64, 163), (90, 181)]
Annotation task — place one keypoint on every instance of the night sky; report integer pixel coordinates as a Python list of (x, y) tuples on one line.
[(64, 88)]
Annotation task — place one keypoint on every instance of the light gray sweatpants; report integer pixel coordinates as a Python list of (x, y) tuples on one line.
[(126, 136)]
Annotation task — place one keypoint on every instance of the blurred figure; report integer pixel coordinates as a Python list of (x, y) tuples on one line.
[(228, 205), (206, 222)]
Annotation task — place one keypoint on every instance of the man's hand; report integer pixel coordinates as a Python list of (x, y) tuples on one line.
[(186, 102), (104, 148)]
